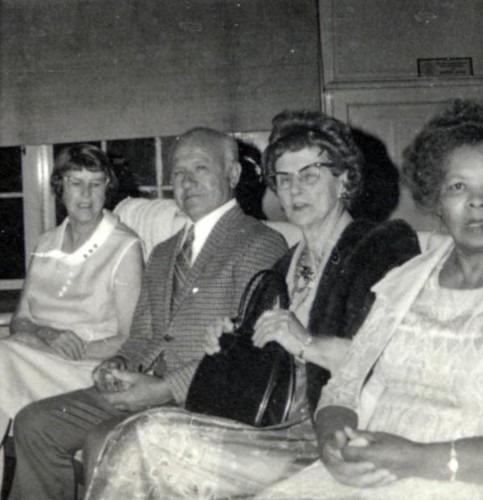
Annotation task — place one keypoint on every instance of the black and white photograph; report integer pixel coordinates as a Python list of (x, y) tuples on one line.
[(241, 249)]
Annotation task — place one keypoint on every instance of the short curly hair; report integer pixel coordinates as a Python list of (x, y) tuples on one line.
[(296, 130), (459, 125), (79, 157)]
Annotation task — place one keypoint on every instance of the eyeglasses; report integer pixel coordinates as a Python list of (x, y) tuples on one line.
[(307, 176), (75, 185)]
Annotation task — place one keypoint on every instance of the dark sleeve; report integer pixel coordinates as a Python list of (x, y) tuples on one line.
[(388, 245)]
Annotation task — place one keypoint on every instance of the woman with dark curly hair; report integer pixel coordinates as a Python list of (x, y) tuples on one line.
[(314, 167), (403, 416), (82, 285)]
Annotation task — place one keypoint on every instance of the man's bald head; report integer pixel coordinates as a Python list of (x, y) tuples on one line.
[(213, 139), (205, 171)]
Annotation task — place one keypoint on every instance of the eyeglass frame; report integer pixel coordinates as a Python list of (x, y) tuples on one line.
[(290, 176), (92, 185)]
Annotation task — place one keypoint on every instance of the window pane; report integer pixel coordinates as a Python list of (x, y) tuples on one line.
[(8, 300), (11, 170), (134, 162), (167, 144), (58, 147), (12, 249)]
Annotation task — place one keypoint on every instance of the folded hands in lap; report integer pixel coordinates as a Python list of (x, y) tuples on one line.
[(128, 390), (103, 375), (64, 343), (401, 456), (140, 391), (356, 470)]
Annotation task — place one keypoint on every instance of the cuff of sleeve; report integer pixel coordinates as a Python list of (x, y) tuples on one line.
[(129, 362)]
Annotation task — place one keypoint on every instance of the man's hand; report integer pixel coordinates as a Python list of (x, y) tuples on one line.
[(142, 391), (361, 473), (103, 376)]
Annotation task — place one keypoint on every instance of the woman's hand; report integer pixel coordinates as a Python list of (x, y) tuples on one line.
[(214, 332), (63, 342), (360, 473), (281, 326), (399, 455)]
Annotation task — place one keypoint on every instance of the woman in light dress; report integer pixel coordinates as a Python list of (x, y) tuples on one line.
[(314, 168), (81, 288), (403, 417)]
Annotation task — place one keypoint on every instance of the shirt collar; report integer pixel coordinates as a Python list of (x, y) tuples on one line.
[(205, 225)]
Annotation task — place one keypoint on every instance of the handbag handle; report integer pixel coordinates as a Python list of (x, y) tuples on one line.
[(243, 382), (258, 285)]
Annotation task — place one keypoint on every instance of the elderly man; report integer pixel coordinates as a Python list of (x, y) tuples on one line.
[(191, 279)]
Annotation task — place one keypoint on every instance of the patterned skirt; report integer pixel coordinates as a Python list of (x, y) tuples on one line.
[(171, 453)]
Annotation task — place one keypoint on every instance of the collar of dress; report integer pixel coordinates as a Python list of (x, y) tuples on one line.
[(96, 240)]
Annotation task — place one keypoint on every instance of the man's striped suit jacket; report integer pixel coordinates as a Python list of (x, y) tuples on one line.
[(173, 342)]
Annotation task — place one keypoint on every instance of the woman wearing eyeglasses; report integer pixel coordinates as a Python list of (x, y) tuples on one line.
[(315, 169), (403, 416), (81, 288)]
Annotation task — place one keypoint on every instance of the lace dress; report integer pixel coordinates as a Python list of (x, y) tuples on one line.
[(432, 375)]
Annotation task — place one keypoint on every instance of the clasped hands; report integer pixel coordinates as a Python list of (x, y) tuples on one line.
[(370, 459), (277, 325), (64, 343), (128, 390)]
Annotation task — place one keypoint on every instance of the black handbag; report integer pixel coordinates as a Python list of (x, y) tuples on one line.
[(243, 382)]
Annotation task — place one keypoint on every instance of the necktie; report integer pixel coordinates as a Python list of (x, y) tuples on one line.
[(182, 264)]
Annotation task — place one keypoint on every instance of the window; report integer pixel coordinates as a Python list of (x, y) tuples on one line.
[(136, 165), (12, 246)]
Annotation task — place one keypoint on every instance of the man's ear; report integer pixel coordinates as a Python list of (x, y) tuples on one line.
[(234, 172)]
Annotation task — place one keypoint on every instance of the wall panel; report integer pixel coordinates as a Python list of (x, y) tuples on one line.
[(394, 116), (93, 69), (381, 40)]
